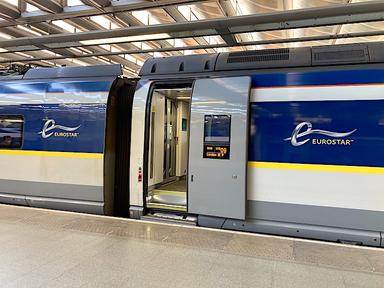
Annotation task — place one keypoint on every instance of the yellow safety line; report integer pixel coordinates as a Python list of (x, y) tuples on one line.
[(52, 154), (166, 207), (317, 167), (167, 192)]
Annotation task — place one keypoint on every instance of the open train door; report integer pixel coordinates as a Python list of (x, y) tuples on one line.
[(118, 147), (218, 147)]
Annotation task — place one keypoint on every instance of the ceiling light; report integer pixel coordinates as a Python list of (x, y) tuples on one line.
[(3, 50), (24, 55), (125, 39), (48, 52), (64, 25), (6, 36)]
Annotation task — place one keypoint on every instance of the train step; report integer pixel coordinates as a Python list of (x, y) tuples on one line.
[(171, 218)]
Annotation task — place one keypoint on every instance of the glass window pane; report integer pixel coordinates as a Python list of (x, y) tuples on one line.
[(217, 128), (11, 131)]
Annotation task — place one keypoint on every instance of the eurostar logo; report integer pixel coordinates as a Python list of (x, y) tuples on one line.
[(299, 133), (51, 129)]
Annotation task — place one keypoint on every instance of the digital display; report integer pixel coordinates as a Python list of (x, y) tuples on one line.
[(216, 152), (217, 135), (184, 124)]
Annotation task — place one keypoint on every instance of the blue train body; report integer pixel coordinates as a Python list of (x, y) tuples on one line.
[(88, 139), (88, 116), (275, 121)]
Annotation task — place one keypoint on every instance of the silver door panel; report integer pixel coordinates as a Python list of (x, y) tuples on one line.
[(217, 187)]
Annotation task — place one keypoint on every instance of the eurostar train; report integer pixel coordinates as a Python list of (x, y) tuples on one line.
[(279, 141)]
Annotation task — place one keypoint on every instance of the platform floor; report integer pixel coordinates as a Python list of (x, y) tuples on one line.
[(43, 248)]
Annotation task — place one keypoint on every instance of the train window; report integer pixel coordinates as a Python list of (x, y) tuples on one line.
[(11, 131), (217, 136)]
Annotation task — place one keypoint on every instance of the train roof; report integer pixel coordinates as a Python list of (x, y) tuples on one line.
[(107, 70), (268, 58)]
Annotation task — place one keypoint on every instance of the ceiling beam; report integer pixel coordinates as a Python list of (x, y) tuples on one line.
[(198, 47), (50, 6), (65, 52), (14, 32), (97, 3), (300, 18), (14, 58), (178, 17), (9, 11), (227, 8), (90, 25), (227, 36), (131, 20), (86, 11), (81, 23)]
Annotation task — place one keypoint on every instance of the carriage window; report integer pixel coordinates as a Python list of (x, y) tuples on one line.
[(217, 136), (11, 131)]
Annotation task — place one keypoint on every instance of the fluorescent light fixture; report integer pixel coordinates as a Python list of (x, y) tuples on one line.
[(48, 52), (3, 50), (102, 21), (183, 98), (125, 39), (76, 50), (6, 36), (24, 55), (101, 60), (64, 25), (12, 2)]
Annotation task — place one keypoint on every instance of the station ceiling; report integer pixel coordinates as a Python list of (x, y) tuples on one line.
[(86, 32)]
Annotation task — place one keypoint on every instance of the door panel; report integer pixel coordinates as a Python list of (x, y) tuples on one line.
[(218, 147)]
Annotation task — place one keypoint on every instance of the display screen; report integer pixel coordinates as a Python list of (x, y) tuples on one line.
[(217, 135), (184, 124), (217, 128)]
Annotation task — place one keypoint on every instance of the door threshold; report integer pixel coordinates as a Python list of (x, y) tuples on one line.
[(171, 218), (162, 206)]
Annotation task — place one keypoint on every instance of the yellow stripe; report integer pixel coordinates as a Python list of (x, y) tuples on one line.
[(317, 167), (166, 207), (52, 154), (167, 192)]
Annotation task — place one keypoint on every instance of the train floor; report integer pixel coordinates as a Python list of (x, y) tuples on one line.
[(169, 196), (44, 248)]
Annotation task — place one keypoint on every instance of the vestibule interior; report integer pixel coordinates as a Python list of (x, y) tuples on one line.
[(168, 148)]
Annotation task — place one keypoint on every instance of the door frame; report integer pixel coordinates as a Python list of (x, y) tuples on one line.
[(155, 84), (167, 152)]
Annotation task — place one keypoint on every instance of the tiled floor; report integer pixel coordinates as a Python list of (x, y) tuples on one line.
[(42, 248)]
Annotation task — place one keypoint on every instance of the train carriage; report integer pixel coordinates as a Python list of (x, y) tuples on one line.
[(56, 146), (280, 141)]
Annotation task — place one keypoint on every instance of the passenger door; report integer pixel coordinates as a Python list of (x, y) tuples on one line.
[(218, 147)]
